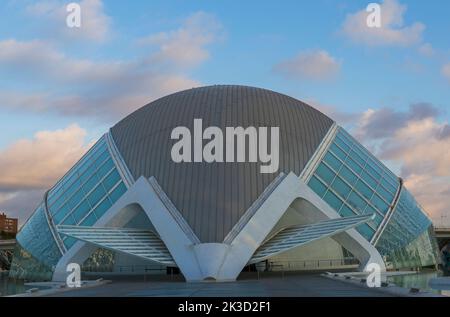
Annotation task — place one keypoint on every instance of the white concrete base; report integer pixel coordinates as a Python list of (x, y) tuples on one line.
[(220, 261)]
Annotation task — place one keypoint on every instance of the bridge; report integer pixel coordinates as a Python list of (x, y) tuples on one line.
[(6, 253)]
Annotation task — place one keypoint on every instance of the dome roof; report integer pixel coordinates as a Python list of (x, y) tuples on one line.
[(213, 196)]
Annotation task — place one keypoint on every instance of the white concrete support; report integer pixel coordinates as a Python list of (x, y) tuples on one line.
[(222, 261), (140, 195)]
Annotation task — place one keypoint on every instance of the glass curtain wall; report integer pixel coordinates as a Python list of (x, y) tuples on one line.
[(87, 191), (354, 182)]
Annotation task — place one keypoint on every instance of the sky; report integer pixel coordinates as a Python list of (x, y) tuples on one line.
[(61, 88)]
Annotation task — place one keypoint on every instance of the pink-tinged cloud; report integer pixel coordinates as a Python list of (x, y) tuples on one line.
[(39, 162), (446, 71), (415, 144), (106, 90), (185, 46), (310, 65)]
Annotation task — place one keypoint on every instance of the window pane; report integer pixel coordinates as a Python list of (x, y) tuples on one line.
[(372, 172), (102, 207), (111, 180), (73, 188), (356, 202), (366, 231), (90, 170), (356, 157), (378, 219), (105, 168), (101, 158), (385, 194), (81, 211), (68, 180), (348, 175), (361, 152), (83, 167), (325, 173), (91, 183), (58, 217), (345, 137), (54, 194), (63, 211), (314, 183), (57, 204), (69, 221), (342, 144), (69, 242), (347, 212), (375, 166), (119, 190), (338, 152), (380, 204), (388, 186), (332, 161), (333, 200), (90, 220), (76, 198), (341, 187), (97, 194), (354, 166), (364, 189), (369, 179)]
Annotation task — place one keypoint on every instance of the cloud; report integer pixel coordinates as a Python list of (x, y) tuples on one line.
[(446, 71), (39, 162), (315, 65), (425, 159), (416, 142), (32, 166), (21, 204), (106, 90), (95, 24), (420, 147), (384, 122), (413, 142), (392, 32), (426, 49), (32, 57), (186, 46)]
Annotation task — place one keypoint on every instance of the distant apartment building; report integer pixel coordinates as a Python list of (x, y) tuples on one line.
[(8, 225)]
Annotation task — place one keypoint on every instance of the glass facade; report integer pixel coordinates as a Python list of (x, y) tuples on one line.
[(407, 240), (87, 191), (38, 240), (81, 197), (25, 266), (349, 178), (354, 182)]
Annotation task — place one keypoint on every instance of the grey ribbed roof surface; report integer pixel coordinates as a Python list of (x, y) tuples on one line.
[(213, 196)]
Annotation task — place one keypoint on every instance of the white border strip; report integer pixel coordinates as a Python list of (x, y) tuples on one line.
[(173, 211), (52, 227), (122, 168), (318, 155), (253, 208)]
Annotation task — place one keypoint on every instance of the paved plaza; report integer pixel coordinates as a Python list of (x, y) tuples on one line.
[(310, 285)]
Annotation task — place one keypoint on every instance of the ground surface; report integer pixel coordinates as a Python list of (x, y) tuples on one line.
[(312, 285)]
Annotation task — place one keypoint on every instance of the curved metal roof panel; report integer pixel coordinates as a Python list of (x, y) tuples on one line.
[(213, 196)]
